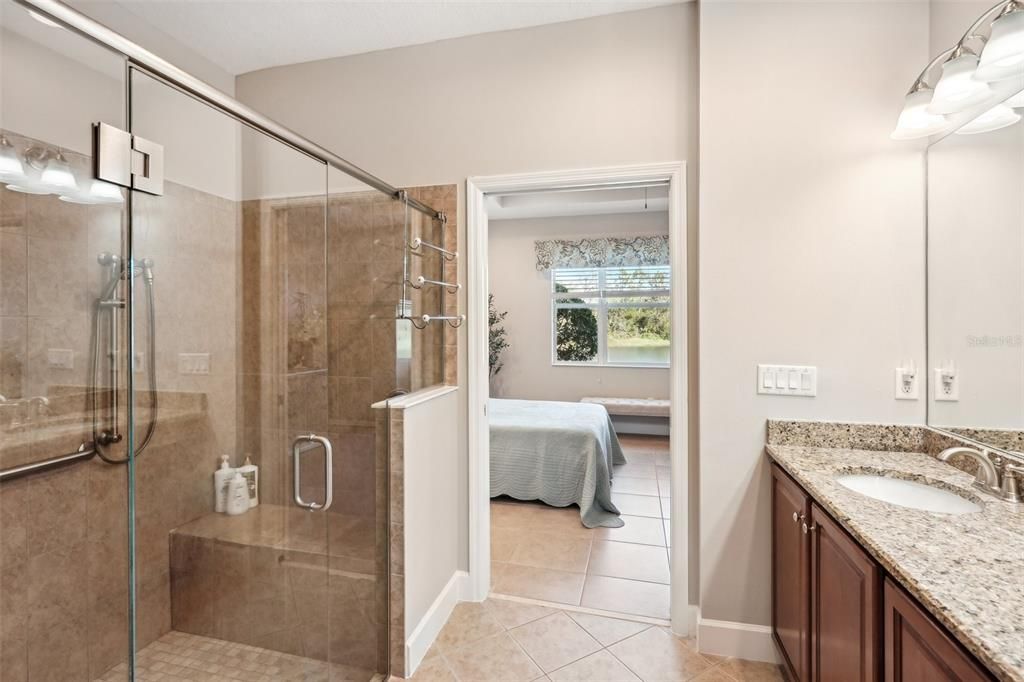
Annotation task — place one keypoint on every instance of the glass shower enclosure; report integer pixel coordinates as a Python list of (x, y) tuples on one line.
[(246, 302)]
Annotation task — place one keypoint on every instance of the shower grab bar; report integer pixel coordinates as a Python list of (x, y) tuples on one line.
[(422, 281), (85, 451), (448, 255), (304, 444)]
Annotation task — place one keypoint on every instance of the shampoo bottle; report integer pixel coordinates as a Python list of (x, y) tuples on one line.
[(221, 479), (251, 473), (238, 495)]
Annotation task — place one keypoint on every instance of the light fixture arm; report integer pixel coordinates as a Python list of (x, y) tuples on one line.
[(972, 33)]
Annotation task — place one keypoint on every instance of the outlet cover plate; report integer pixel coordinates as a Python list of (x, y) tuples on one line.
[(909, 389)]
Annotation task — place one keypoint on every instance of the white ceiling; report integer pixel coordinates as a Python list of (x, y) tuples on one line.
[(598, 201), (247, 35)]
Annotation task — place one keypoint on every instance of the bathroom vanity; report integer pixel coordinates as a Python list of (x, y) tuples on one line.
[(863, 589)]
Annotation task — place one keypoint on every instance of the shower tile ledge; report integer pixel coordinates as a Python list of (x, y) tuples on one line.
[(965, 570)]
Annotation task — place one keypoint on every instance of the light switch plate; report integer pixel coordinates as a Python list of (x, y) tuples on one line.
[(60, 358), (796, 380), (193, 363)]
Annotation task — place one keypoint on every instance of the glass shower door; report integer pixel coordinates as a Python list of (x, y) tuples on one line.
[(64, 559), (233, 570)]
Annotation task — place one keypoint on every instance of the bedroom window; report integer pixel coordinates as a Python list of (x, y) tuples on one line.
[(614, 316)]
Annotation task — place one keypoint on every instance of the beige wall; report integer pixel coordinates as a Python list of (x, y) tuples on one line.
[(811, 248), (544, 98), (525, 294)]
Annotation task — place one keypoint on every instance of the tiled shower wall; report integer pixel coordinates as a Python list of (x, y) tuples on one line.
[(63, 534), (294, 347)]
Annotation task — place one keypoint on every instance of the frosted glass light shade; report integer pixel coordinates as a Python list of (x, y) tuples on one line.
[(995, 118), (105, 193), (957, 89), (99, 193), (1017, 101), (11, 169), (1003, 56), (57, 175), (915, 120)]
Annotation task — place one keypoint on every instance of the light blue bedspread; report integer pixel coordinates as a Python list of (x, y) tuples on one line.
[(559, 453)]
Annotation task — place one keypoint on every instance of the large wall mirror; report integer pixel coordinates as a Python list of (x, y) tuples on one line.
[(976, 285)]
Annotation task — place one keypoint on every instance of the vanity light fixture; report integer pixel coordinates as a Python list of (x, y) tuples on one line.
[(916, 120), (99, 193), (964, 77), (11, 169), (1003, 56), (957, 89), (995, 118), (1017, 101), (57, 175)]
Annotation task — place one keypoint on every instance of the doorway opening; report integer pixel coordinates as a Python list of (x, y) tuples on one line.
[(577, 377)]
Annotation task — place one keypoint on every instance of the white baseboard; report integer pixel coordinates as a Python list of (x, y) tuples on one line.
[(687, 625), (426, 631), (738, 640)]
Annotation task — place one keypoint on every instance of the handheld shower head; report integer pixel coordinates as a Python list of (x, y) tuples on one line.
[(147, 269)]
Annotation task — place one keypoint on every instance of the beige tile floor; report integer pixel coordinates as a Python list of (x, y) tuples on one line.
[(502, 640), (180, 657), (545, 553)]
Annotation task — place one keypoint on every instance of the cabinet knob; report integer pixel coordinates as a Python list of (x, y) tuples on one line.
[(798, 517), (808, 529)]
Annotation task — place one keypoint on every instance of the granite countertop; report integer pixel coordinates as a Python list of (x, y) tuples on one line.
[(967, 570)]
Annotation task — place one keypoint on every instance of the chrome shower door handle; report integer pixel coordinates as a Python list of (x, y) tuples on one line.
[(304, 444)]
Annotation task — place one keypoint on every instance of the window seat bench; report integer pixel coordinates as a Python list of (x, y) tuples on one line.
[(648, 416)]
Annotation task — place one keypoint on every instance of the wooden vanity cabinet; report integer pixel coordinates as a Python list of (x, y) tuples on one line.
[(836, 617), (917, 649), (791, 586), (846, 587)]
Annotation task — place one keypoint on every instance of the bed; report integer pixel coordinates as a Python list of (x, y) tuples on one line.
[(559, 453)]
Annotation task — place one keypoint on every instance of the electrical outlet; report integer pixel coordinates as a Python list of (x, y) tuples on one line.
[(193, 363), (60, 358), (907, 383), (947, 384)]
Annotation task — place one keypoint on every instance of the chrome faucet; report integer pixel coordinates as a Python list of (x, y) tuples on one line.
[(995, 476)]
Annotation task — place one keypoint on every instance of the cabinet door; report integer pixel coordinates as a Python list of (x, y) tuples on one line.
[(790, 582), (917, 649), (845, 601)]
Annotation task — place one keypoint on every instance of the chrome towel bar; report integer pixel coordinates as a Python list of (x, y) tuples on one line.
[(448, 255)]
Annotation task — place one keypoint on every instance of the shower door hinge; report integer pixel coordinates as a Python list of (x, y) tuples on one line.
[(121, 158)]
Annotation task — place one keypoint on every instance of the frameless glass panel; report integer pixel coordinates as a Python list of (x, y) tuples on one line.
[(64, 561), (233, 276), (369, 351)]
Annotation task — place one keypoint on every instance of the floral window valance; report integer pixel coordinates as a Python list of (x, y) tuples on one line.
[(600, 253)]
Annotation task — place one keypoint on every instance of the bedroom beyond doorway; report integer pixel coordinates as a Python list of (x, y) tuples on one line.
[(544, 553)]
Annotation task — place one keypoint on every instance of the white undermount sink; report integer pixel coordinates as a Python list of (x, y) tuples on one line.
[(910, 494)]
